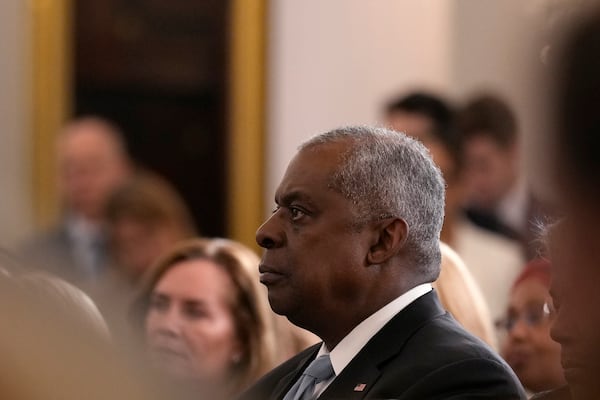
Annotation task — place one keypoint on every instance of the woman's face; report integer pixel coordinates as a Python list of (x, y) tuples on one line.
[(190, 330), (528, 348)]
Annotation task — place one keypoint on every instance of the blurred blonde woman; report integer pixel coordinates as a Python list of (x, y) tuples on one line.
[(461, 296), (206, 318)]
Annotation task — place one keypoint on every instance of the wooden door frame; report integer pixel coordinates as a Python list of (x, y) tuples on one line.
[(51, 85), (52, 67)]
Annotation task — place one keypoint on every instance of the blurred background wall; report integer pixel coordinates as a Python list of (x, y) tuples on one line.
[(16, 215), (334, 63), (327, 64), (337, 62)]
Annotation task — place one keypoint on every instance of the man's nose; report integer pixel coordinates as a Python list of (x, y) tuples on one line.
[(269, 235)]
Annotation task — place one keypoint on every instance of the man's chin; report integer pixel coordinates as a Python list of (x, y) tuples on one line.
[(278, 305), (291, 310)]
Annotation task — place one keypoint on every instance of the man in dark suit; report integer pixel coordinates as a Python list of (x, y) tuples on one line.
[(92, 162), (351, 249)]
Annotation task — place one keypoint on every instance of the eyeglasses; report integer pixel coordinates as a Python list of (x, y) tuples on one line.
[(533, 316)]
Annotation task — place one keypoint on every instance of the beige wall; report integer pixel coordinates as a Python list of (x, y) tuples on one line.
[(488, 35), (331, 63), (496, 46), (334, 62), (15, 177)]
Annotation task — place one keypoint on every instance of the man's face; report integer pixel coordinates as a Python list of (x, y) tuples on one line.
[(413, 124), (490, 172), (91, 167), (575, 251), (315, 260)]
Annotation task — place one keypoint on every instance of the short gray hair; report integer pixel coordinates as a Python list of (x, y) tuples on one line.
[(385, 173)]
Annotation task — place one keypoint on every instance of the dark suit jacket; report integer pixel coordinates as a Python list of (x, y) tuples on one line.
[(422, 353), (53, 251)]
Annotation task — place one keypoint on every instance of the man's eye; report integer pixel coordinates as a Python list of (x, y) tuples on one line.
[(296, 213)]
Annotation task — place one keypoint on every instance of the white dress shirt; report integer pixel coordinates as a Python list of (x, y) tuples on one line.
[(352, 343), (513, 208), (86, 239)]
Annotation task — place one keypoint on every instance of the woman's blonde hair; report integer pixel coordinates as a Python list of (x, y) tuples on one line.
[(461, 296), (251, 313)]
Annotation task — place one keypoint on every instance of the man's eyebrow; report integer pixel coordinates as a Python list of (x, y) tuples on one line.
[(290, 197)]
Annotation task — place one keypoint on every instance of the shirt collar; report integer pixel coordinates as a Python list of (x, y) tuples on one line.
[(512, 209), (81, 230), (353, 342)]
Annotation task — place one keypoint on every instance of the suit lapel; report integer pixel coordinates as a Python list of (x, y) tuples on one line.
[(353, 383), (361, 374), (286, 382)]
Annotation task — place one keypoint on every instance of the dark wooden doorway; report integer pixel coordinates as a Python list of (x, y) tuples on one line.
[(158, 69)]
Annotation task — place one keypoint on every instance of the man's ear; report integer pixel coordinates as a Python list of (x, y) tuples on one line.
[(390, 237)]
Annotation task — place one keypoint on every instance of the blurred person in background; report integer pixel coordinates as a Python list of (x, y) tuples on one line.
[(493, 260), (462, 297), (144, 217), (497, 196), (574, 60), (54, 344), (527, 345), (92, 163), (206, 319)]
